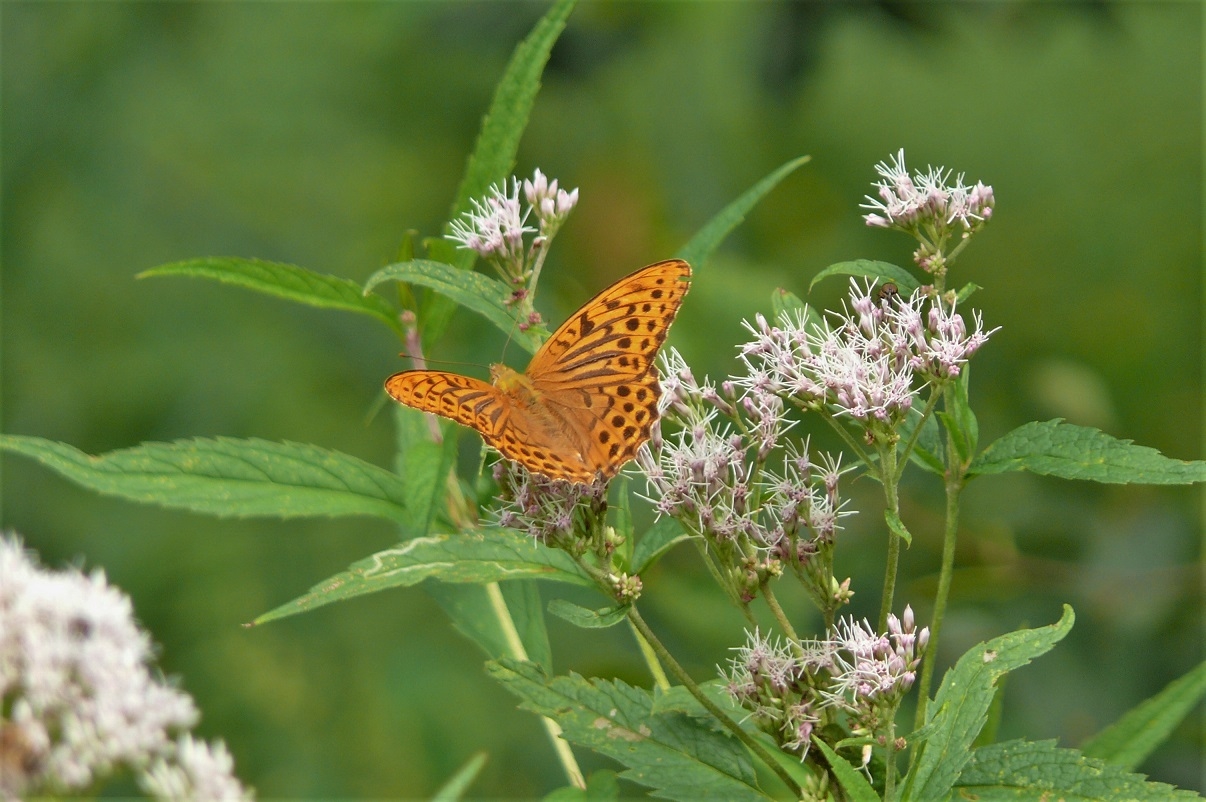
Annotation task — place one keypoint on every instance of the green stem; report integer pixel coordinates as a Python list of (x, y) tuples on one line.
[(888, 457), (517, 650), (781, 617), (890, 759), (655, 665), (954, 485), (680, 673), (930, 403)]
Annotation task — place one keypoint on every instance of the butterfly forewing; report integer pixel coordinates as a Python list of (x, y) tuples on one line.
[(464, 399), (615, 335)]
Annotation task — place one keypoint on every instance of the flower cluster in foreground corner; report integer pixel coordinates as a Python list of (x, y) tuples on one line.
[(78, 696)]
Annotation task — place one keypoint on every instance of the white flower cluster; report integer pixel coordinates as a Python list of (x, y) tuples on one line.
[(906, 201), (867, 362), (77, 695)]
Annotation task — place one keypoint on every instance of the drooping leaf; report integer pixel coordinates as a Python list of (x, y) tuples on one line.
[(960, 709), (1055, 448), (892, 519), (456, 786), (493, 155), (588, 619), (425, 468), (679, 756), (853, 783), (658, 539), (867, 268), (1129, 740), (1018, 770), (708, 239), (474, 291), (488, 555), (228, 477), (285, 281)]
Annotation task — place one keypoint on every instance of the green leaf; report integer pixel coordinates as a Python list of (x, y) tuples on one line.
[(958, 437), (1017, 770), (1055, 448), (489, 555), (963, 412), (966, 292), (621, 510), (658, 539), (927, 451), (493, 155), (960, 709), (678, 756), (522, 598), (227, 477), (853, 783), (474, 291), (1129, 740), (425, 467), (884, 271), (708, 239), (456, 786), (892, 519), (588, 619), (285, 281), (786, 305)]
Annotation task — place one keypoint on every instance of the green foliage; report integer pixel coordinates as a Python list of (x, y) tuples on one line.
[(868, 268), (657, 540), (485, 555), (895, 524), (678, 756), (588, 619), (853, 783), (705, 242), (285, 281), (1055, 448), (601, 786), (1016, 770), (474, 291), (960, 709), (1127, 742), (227, 477)]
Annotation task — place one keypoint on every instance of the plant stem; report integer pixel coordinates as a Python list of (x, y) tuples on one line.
[(888, 476), (954, 485), (655, 665), (680, 673), (781, 617), (890, 759), (515, 646)]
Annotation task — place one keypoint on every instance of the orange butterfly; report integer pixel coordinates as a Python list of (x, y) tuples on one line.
[(589, 396)]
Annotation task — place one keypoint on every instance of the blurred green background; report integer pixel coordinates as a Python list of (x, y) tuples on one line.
[(137, 133)]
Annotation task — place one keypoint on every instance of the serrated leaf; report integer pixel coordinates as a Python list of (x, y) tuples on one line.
[(285, 281), (588, 619), (1128, 741), (1055, 448), (456, 786), (678, 756), (708, 239), (892, 519), (960, 709), (489, 555), (853, 783), (1017, 770), (228, 477), (493, 155), (474, 291), (425, 466), (658, 539), (884, 271)]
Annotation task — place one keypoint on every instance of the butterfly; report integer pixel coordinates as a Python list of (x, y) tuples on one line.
[(589, 396)]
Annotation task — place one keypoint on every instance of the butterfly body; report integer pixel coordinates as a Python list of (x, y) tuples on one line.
[(589, 396)]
